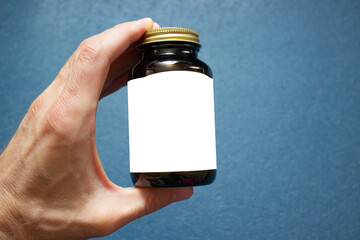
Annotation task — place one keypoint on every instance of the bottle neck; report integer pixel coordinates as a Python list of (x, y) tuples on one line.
[(173, 50)]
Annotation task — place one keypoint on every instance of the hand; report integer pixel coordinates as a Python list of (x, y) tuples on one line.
[(52, 183)]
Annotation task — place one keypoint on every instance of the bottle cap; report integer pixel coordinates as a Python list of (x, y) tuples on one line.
[(170, 34)]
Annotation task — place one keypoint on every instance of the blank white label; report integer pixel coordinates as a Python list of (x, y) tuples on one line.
[(171, 122)]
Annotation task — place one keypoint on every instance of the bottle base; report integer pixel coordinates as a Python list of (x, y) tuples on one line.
[(174, 179)]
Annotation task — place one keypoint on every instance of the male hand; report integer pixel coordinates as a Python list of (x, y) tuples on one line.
[(52, 183)]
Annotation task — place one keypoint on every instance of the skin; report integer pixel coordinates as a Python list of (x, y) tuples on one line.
[(52, 183)]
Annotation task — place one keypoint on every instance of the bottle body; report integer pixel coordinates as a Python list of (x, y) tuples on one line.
[(175, 59)]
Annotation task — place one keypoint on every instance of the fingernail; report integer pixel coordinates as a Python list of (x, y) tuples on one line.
[(156, 25), (148, 22), (181, 194)]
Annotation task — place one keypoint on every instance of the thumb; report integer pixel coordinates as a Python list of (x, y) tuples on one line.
[(133, 203), (147, 200)]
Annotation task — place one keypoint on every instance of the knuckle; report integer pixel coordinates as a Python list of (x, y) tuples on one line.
[(66, 119), (34, 113), (54, 126), (36, 105), (87, 51), (56, 121)]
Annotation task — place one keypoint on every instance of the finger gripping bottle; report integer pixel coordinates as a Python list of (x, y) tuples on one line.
[(171, 112)]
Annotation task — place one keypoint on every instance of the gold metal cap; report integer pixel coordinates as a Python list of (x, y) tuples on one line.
[(170, 34)]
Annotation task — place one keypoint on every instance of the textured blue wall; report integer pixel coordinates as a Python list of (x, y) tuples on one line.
[(287, 96)]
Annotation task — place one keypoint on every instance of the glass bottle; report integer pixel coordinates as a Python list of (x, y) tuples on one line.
[(171, 112)]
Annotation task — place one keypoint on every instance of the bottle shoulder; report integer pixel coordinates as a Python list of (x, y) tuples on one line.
[(151, 66)]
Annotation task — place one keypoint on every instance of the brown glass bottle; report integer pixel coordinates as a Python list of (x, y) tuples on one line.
[(162, 56)]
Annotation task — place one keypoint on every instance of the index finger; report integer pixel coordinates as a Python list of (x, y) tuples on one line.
[(87, 69)]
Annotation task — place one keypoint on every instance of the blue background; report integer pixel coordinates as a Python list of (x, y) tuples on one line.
[(287, 96)]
